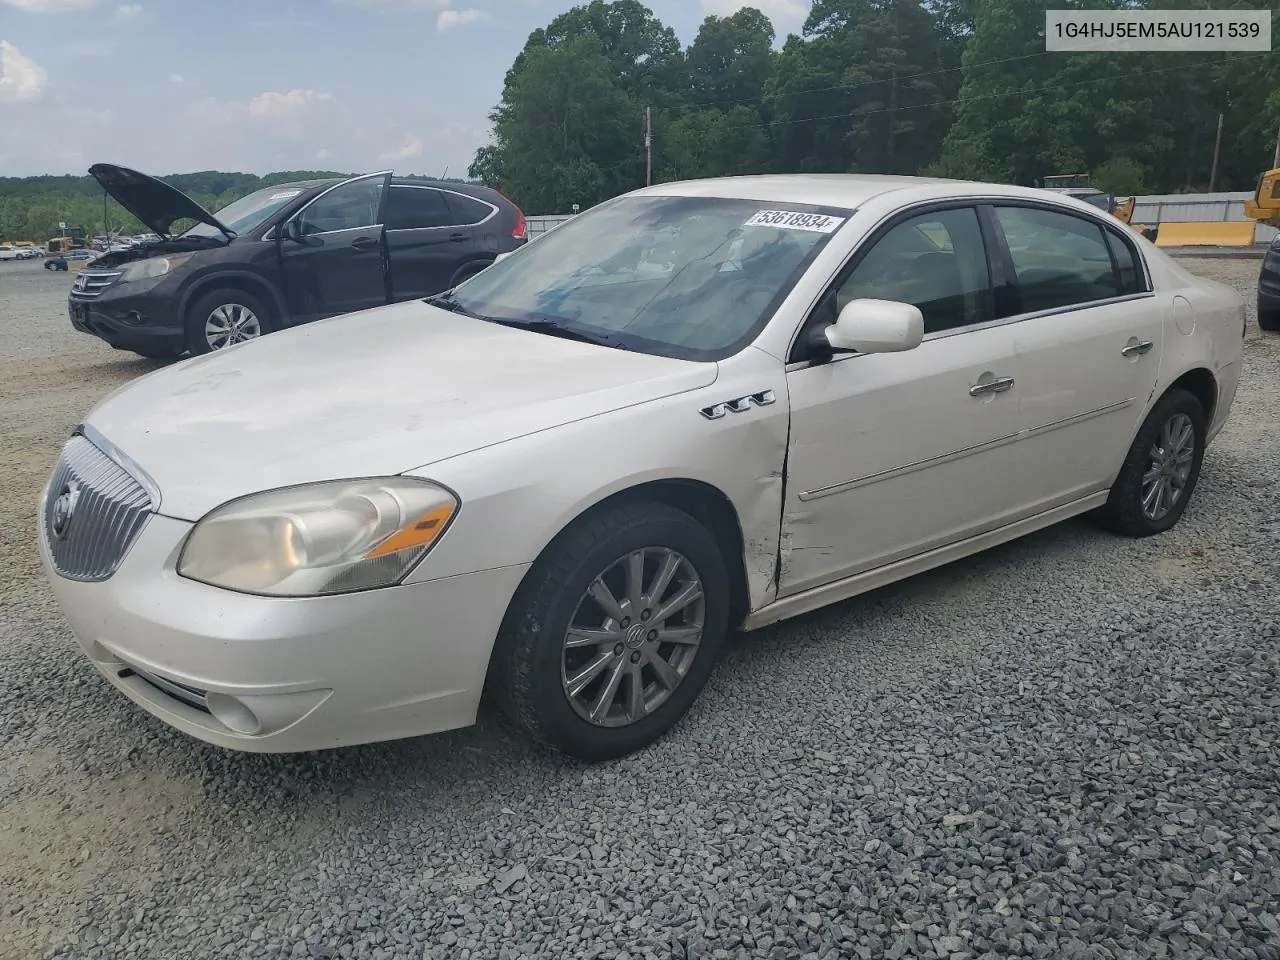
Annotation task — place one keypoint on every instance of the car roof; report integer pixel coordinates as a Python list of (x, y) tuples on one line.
[(837, 189)]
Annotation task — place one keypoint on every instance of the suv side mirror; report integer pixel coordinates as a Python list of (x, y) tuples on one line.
[(876, 326)]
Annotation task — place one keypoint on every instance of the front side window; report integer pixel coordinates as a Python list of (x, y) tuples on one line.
[(346, 207), (935, 261), (1059, 260), (690, 277)]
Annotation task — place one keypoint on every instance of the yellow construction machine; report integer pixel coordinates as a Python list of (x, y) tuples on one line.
[(1264, 205)]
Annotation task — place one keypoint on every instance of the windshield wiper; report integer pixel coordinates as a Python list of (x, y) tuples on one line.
[(447, 301), (554, 328)]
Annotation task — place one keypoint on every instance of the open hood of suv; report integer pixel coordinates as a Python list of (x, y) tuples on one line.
[(152, 201)]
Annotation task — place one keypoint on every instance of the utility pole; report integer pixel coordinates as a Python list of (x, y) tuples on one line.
[(1217, 145), (648, 147)]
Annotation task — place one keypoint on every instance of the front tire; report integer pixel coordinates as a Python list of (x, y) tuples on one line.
[(224, 317), (614, 632), (1160, 471)]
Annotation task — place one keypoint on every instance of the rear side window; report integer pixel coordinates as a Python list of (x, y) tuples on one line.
[(1060, 260), (1131, 280), (412, 208), (467, 210)]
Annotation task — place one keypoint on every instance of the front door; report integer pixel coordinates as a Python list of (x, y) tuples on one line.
[(333, 252), (1090, 345), (895, 454)]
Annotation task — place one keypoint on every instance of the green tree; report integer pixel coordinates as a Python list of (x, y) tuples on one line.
[(566, 131), (713, 143), (731, 59)]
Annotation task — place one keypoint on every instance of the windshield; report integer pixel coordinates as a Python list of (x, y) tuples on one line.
[(688, 277), (247, 212)]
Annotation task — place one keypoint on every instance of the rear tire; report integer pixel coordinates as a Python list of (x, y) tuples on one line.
[(1269, 318), (225, 317), (1160, 471), (556, 632)]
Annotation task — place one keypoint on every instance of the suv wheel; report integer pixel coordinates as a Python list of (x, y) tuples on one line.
[(1268, 317), (614, 632), (223, 318)]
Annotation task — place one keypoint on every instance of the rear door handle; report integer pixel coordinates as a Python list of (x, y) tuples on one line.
[(457, 237), (360, 243), (995, 385), (1137, 347)]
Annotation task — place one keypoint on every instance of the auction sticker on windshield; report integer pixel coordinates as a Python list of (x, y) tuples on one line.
[(790, 220), (284, 195)]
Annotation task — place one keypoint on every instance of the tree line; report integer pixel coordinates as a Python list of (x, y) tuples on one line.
[(954, 88)]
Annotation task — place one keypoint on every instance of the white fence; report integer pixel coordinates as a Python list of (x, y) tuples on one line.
[(1149, 210)]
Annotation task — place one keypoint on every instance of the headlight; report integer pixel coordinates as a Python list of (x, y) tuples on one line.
[(319, 539), (153, 267), (1275, 243)]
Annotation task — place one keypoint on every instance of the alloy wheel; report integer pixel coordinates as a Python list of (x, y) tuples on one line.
[(229, 324), (633, 637), (1169, 467)]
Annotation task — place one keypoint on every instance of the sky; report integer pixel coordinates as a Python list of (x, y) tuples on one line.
[(173, 86)]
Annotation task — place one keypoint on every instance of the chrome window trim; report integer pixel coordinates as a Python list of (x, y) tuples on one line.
[(948, 203), (493, 208)]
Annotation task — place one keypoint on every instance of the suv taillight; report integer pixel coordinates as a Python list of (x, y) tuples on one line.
[(521, 229)]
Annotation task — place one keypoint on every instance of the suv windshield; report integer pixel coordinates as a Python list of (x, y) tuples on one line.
[(247, 212), (688, 277)]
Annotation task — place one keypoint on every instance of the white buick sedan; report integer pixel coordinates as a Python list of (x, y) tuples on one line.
[(696, 408)]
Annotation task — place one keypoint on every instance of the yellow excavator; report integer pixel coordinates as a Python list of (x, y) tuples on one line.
[(1264, 205)]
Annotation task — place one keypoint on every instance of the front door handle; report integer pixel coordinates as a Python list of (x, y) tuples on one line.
[(1137, 348), (362, 243), (457, 237), (994, 385)]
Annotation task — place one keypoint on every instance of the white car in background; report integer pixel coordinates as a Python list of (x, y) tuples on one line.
[(568, 479), (11, 253)]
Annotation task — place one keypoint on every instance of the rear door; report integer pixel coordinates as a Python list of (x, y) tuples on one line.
[(422, 243), (332, 251), (1089, 337)]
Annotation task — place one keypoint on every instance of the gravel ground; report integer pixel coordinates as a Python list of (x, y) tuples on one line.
[(1066, 747)]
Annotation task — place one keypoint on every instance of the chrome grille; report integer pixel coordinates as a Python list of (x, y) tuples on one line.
[(91, 283), (93, 511)]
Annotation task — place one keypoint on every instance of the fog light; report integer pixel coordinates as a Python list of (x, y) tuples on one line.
[(232, 713)]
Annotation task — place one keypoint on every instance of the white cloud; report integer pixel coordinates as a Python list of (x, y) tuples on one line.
[(129, 11), (21, 78), (786, 15), (277, 106), (48, 6), (411, 150), (177, 78), (449, 19)]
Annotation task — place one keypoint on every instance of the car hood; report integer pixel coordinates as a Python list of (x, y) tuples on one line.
[(374, 393), (152, 201)]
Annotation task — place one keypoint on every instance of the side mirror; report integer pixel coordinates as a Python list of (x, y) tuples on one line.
[(876, 326), (291, 229)]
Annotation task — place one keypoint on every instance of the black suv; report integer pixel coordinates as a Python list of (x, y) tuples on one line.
[(1269, 288), (282, 256)]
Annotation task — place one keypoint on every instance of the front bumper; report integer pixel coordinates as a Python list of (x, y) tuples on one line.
[(1269, 283), (286, 675), (135, 317)]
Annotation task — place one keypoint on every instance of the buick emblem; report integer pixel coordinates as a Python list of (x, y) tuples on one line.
[(62, 511)]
